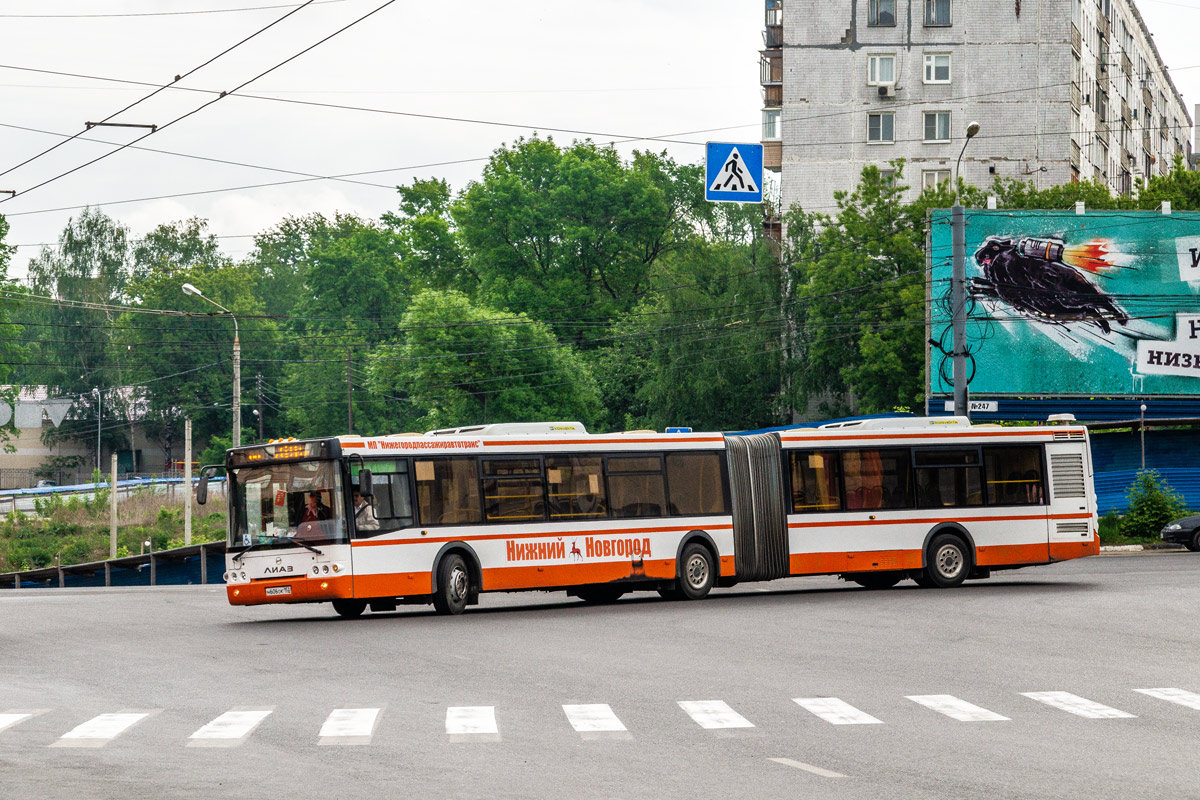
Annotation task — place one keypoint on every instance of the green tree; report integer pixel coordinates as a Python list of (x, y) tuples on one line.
[(12, 351), (551, 230), (1152, 504), (426, 238), (458, 363), (860, 295)]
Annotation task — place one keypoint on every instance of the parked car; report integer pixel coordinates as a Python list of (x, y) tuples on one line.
[(1184, 531), (45, 484)]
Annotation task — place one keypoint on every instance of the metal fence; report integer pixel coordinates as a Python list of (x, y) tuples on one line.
[(195, 564)]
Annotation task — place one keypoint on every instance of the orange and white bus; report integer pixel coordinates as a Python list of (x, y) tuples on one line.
[(372, 522)]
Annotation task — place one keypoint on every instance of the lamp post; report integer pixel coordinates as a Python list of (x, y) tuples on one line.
[(958, 290), (1143, 428), (237, 363)]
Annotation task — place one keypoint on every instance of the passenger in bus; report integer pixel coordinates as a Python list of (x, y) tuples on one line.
[(364, 513), (314, 509), (1033, 487)]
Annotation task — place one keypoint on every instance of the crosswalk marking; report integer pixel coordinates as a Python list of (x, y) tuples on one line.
[(349, 726), (593, 718), (824, 773), (1183, 698), (1077, 705), (955, 708), (12, 718), (231, 728), (711, 714), (99, 731), (835, 711), (472, 724)]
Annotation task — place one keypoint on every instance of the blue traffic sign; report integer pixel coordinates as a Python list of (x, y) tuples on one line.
[(734, 173)]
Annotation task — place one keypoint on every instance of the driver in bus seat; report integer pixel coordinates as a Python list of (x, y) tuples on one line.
[(364, 513), (314, 509)]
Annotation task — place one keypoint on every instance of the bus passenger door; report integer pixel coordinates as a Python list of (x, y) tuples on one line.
[(1069, 512)]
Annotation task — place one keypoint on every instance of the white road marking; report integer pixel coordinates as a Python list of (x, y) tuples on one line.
[(712, 714), (1077, 705), (1180, 696), (101, 730), (472, 724), (596, 721), (10, 718), (955, 708), (231, 728), (825, 773), (836, 712), (349, 726)]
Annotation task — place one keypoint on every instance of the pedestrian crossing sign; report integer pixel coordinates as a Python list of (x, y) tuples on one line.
[(734, 173)]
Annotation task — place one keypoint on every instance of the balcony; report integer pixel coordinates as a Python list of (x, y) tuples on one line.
[(773, 155), (771, 68), (1076, 39), (773, 36), (1075, 154), (773, 96), (1102, 26), (1075, 96), (1126, 65)]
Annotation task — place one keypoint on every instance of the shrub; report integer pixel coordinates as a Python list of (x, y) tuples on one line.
[(1152, 504)]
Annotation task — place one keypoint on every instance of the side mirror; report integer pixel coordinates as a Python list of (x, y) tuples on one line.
[(202, 486), (364, 483)]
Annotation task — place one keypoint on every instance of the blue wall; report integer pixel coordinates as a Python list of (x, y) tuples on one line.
[(1117, 457)]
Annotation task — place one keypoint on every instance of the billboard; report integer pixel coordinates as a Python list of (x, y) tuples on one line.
[(1061, 304)]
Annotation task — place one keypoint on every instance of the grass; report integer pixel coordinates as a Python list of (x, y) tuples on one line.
[(74, 530)]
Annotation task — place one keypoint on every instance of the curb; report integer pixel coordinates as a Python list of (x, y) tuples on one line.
[(1122, 548)]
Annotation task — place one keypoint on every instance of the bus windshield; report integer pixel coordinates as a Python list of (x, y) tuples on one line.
[(301, 501)]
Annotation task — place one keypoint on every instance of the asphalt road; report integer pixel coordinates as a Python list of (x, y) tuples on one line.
[(170, 692)]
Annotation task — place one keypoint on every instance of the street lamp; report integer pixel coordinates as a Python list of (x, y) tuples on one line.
[(99, 414), (237, 364), (958, 289), (1143, 429)]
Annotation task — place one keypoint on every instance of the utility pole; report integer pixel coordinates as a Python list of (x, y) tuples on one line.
[(187, 482), (349, 393), (958, 288), (112, 517)]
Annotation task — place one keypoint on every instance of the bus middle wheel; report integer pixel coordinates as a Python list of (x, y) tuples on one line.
[(948, 561), (696, 572)]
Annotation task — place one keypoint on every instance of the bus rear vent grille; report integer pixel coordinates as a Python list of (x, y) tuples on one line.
[(1068, 436), (1066, 472), (1070, 528)]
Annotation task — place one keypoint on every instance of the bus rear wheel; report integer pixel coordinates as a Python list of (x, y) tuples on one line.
[(876, 580), (453, 587), (349, 609), (696, 572), (948, 562)]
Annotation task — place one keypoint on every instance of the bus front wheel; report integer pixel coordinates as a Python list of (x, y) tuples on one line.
[(696, 572), (349, 609), (453, 587), (949, 561)]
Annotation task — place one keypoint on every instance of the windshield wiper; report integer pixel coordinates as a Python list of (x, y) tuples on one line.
[(276, 540)]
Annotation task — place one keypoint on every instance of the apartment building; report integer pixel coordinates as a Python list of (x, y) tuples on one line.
[(1064, 90)]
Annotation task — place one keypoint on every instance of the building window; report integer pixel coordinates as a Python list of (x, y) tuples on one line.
[(770, 125), (937, 126), (937, 67), (881, 70), (881, 128), (931, 178), (1101, 105), (937, 12), (882, 12)]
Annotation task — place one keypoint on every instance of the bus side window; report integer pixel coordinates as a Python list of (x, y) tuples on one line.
[(635, 485), (447, 490), (697, 484), (575, 488), (512, 490), (816, 480), (393, 500), (1014, 475)]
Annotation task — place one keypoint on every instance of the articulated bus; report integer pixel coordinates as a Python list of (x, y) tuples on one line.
[(547, 506)]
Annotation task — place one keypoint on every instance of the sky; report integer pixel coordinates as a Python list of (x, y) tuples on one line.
[(613, 71)]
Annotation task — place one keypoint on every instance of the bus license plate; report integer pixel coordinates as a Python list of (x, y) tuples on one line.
[(279, 590)]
